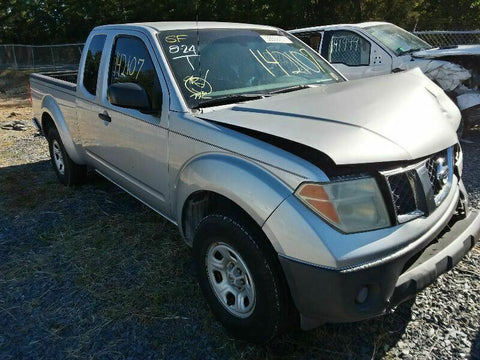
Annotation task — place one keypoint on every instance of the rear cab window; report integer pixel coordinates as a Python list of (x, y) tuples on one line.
[(92, 63)]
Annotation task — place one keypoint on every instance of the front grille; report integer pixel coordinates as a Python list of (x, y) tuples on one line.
[(402, 192), (432, 169), (420, 188)]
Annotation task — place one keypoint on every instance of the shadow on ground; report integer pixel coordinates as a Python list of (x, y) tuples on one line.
[(91, 272), (363, 340), (475, 352)]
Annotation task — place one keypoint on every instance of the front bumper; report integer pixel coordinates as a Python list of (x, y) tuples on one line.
[(327, 295)]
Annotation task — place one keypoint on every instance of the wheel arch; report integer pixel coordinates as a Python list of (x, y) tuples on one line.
[(227, 183), (53, 116)]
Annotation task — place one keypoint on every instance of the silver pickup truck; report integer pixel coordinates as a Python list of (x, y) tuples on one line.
[(303, 195)]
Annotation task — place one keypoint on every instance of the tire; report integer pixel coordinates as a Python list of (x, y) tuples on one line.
[(461, 128), (68, 172), (233, 262)]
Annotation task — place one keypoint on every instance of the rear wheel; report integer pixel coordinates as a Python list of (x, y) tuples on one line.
[(241, 279), (68, 172)]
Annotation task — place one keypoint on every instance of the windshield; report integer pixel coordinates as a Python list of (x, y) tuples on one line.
[(396, 39), (211, 64)]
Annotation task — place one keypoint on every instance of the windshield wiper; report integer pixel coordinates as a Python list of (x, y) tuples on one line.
[(445, 47), (228, 99), (289, 89), (409, 51)]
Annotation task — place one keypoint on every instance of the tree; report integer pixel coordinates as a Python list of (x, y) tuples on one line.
[(60, 21)]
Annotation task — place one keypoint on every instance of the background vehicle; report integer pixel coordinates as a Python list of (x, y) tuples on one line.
[(292, 201), (376, 48)]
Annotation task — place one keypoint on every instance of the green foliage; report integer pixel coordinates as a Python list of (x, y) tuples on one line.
[(449, 15), (59, 21)]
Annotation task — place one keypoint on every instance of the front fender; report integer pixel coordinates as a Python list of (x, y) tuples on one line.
[(256, 190), (50, 106)]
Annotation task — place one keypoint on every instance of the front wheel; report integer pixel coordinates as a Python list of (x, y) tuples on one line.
[(68, 172), (240, 278)]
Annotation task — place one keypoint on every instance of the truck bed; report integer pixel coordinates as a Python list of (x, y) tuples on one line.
[(64, 79), (55, 87)]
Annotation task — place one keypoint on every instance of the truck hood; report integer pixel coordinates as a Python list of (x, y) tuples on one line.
[(394, 117), (457, 50)]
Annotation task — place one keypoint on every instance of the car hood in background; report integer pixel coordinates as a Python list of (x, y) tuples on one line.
[(394, 117), (457, 50)]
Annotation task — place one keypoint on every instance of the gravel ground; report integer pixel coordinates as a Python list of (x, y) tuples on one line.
[(91, 273)]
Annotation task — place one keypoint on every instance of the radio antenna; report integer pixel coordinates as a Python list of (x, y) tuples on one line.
[(198, 41)]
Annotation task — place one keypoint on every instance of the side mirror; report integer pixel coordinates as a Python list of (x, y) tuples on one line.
[(129, 95)]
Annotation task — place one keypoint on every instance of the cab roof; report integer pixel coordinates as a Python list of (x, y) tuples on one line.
[(337, 26), (183, 25)]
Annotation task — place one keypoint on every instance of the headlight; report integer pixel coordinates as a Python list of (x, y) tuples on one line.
[(351, 206)]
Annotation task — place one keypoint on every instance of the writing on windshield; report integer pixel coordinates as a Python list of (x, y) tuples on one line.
[(211, 63)]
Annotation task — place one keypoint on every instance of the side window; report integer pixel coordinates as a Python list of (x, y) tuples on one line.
[(312, 39), (131, 63), (347, 47), (92, 63)]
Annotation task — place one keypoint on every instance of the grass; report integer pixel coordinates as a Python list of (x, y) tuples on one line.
[(21, 200), (103, 259), (91, 265), (115, 264)]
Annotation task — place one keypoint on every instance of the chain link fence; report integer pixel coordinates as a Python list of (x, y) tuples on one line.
[(67, 56), (446, 38), (40, 57)]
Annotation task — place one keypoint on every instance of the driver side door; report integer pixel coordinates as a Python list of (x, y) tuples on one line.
[(354, 55)]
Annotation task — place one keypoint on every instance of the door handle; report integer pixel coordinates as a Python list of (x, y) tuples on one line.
[(105, 117)]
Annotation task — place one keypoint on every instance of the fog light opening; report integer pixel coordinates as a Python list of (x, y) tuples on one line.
[(362, 295)]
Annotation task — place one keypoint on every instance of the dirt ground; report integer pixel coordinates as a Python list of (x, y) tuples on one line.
[(89, 272)]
